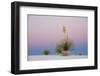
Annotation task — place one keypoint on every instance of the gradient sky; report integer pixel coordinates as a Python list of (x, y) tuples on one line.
[(44, 32)]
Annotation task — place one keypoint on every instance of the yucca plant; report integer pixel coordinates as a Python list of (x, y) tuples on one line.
[(65, 45)]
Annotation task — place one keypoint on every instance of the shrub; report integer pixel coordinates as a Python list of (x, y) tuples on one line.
[(64, 45), (67, 45), (58, 50), (46, 52)]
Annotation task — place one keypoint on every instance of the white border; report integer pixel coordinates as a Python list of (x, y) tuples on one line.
[(26, 65)]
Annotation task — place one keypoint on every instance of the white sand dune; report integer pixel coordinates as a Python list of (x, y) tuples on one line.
[(55, 57)]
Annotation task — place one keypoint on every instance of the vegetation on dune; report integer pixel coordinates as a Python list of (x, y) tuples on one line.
[(65, 45), (46, 52), (58, 50)]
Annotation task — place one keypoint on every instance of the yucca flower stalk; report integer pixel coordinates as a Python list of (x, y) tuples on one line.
[(65, 33), (64, 29)]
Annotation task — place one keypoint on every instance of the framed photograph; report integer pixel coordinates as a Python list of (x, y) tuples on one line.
[(52, 37)]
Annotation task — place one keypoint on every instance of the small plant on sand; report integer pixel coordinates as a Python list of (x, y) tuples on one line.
[(58, 50), (46, 52)]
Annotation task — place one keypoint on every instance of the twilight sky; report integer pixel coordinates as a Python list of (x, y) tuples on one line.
[(44, 32)]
